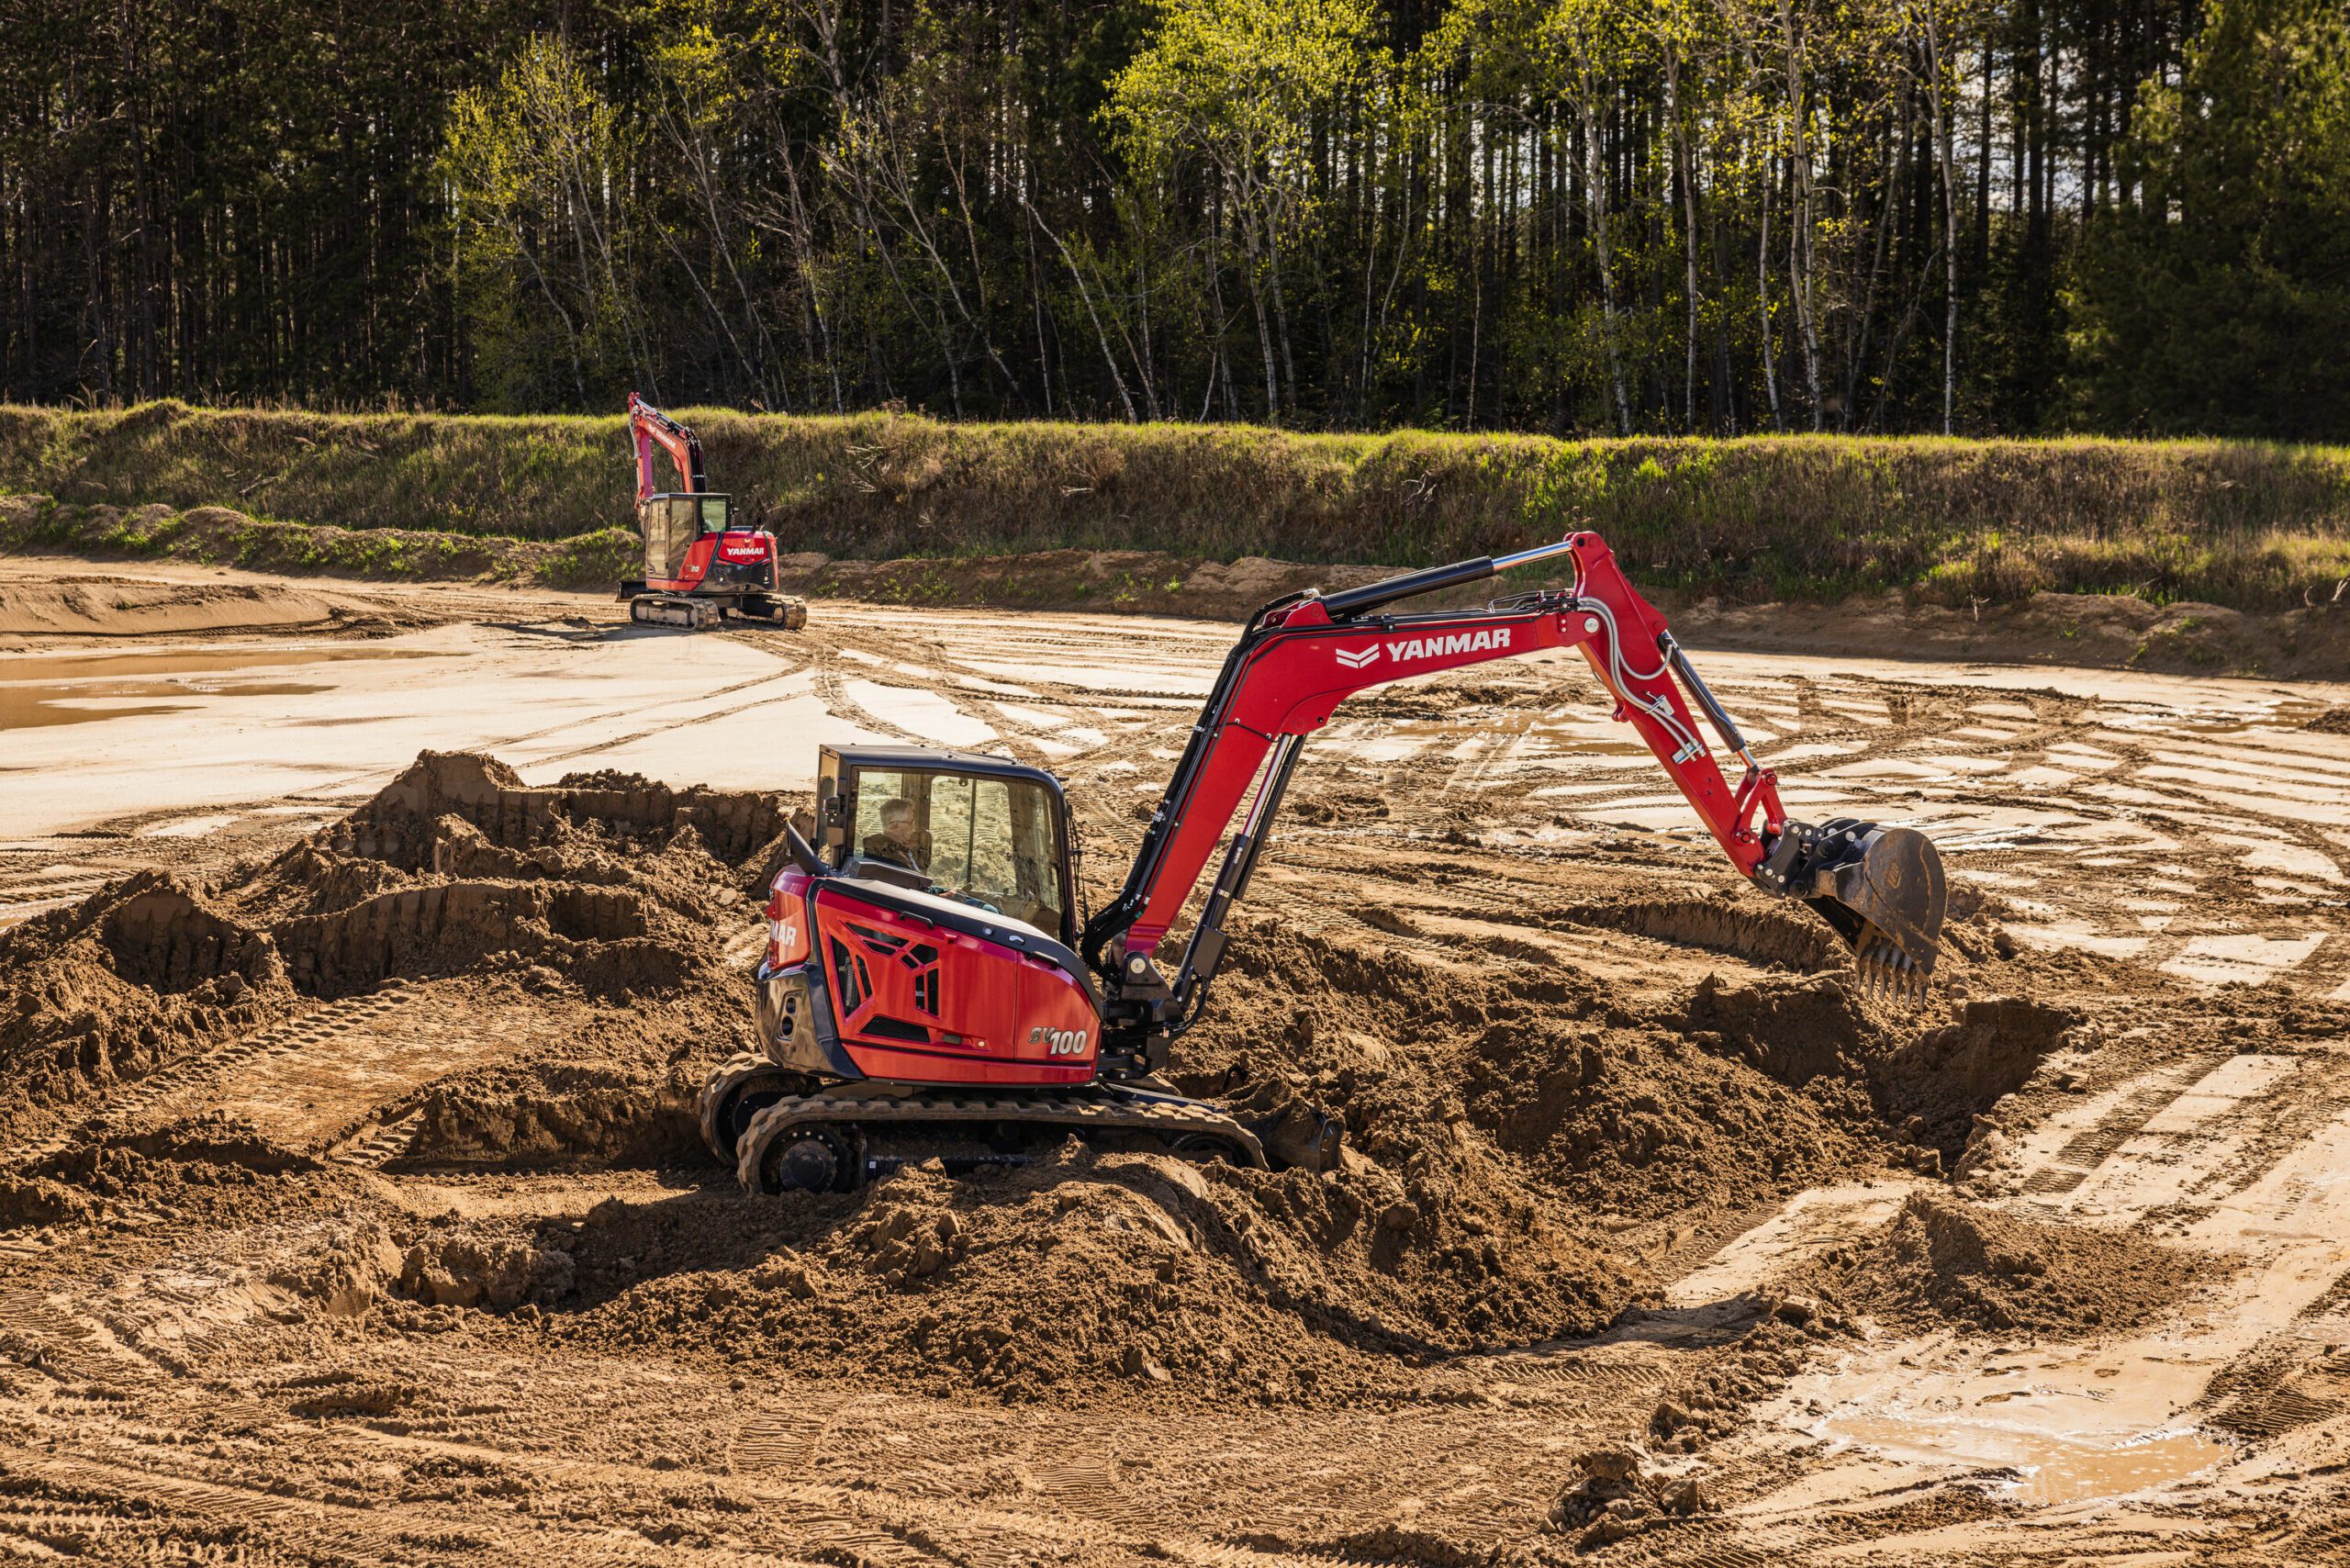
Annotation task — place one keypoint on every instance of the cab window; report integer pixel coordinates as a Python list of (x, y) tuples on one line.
[(992, 842)]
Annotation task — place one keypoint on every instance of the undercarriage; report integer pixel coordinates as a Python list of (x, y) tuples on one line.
[(782, 1134)]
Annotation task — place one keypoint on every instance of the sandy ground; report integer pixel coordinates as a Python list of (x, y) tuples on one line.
[(389, 1239)]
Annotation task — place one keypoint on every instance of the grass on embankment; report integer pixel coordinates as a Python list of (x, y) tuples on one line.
[(2250, 525), (221, 537)]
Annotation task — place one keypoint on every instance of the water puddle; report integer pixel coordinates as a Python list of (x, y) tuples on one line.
[(2268, 713), (83, 688), (43, 707), (2050, 1469), (188, 827)]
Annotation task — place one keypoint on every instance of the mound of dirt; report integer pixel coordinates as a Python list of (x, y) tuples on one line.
[(1078, 1270), (2333, 721), (1527, 1087), (606, 888), (457, 1268), (28, 1200), (1070, 1271), (1737, 922), (210, 1169), (1645, 1121), (1941, 1259), (598, 1107), (1794, 1032), (125, 983)]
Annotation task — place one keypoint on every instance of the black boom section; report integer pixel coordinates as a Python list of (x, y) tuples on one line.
[(1387, 590)]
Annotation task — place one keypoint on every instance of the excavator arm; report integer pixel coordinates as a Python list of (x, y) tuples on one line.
[(1880, 888), (649, 427)]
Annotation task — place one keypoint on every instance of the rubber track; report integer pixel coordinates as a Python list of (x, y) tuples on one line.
[(1099, 1108), (732, 1073)]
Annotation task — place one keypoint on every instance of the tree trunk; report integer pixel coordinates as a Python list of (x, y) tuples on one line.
[(1596, 180), (1684, 174), (1257, 299), (1108, 358), (1941, 113)]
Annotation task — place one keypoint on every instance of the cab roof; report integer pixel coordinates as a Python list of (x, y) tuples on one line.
[(943, 757)]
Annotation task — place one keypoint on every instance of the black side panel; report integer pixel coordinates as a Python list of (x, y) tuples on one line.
[(796, 1024)]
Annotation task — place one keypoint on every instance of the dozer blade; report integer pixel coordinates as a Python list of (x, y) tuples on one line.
[(1882, 889)]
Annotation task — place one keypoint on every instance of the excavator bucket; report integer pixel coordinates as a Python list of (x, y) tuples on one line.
[(1882, 889)]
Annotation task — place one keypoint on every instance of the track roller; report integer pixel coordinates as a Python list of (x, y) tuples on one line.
[(810, 1159)]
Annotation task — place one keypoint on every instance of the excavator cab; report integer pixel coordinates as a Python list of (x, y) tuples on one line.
[(982, 831), (672, 524)]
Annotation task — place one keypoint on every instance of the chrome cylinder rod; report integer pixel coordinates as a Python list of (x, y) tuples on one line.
[(1528, 557)]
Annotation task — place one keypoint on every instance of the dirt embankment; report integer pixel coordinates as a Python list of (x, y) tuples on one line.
[(2310, 640), (2253, 525), (100, 606), (224, 536)]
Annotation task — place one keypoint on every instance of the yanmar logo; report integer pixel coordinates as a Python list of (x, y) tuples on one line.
[(1403, 648)]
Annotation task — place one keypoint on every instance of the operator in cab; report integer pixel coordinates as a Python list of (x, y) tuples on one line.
[(899, 842)]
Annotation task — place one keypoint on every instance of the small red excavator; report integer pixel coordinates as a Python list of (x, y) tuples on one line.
[(698, 566), (929, 990)]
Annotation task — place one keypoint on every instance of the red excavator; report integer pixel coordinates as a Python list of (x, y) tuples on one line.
[(929, 990), (698, 565)]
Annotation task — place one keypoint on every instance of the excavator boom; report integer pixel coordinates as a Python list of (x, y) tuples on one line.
[(649, 427), (1879, 887)]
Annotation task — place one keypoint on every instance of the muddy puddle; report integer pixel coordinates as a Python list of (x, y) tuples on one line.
[(2254, 716), (188, 661), (45, 692), (2049, 1468), (44, 707)]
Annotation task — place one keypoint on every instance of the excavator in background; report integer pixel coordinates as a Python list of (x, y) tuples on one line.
[(698, 565), (929, 989)]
